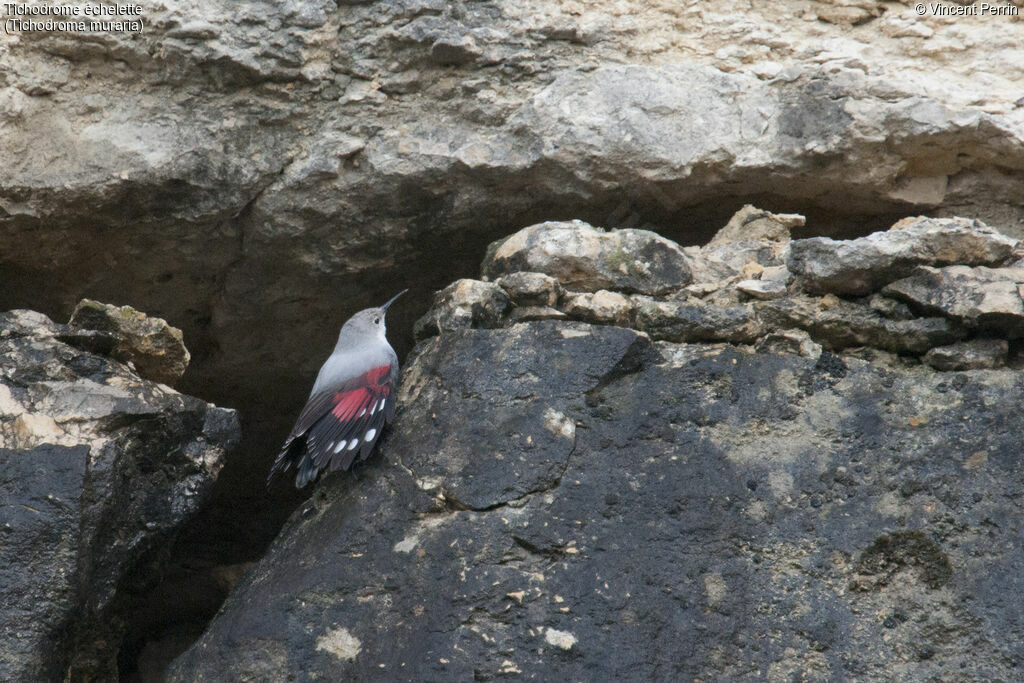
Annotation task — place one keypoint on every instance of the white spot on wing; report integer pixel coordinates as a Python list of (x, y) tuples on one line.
[(362, 412), (352, 444), (380, 404), (339, 447), (370, 434)]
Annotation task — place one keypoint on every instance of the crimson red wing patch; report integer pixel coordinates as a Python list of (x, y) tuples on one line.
[(338, 425)]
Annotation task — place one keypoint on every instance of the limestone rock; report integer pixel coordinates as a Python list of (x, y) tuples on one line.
[(790, 341), (464, 303), (531, 289), (584, 258), (987, 298), (975, 354), (697, 322), (155, 348), (751, 224), (762, 289), (602, 306), (839, 324), (866, 264), (101, 469), (523, 313)]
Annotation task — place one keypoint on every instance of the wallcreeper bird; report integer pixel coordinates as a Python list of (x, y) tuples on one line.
[(352, 398)]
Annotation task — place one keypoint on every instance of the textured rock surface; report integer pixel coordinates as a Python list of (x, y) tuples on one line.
[(744, 291), (988, 298), (299, 158), (100, 469), (300, 161), (583, 258), (560, 500), (154, 348), (976, 354), (592, 500), (864, 265)]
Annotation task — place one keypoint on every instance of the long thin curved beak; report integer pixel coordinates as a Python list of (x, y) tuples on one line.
[(392, 299)]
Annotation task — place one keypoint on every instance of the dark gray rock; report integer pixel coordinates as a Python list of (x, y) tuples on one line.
[(556, 502), (839, 324), (986, 298), (864, 265), (100, 470)]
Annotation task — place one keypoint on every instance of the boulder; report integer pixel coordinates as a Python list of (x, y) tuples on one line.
[(864, 265), (584, 258), (155, 348), (986, 298), (101, 470), (591, 501)]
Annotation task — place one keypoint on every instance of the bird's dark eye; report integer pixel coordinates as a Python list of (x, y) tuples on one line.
[(376, 321)]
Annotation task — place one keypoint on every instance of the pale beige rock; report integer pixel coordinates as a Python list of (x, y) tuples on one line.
[(601, 306), (864, 265), (762, 289), (751, 224), (584, 258), (464, 303), (155, 348)]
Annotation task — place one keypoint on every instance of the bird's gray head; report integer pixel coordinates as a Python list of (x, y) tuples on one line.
[(368, 322)]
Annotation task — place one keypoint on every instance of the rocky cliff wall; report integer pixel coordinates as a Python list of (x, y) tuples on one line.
[(613, 467), (254, 172)]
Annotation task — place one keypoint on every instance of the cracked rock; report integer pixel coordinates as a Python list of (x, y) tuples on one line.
[(100, 469), (464, 303), (866, 264), (987, 298), (697, 322), (551, 492), (837, 324), (531, 289)]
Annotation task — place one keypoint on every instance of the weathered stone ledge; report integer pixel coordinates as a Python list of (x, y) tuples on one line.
[(945, 290)]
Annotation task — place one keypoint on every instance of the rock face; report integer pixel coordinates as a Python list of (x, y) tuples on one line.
[(862, 266), (100, 469), (560, 500), (295, 159)]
